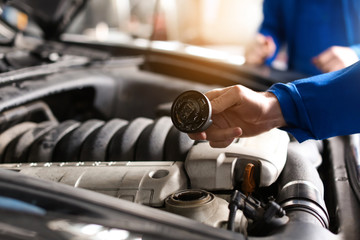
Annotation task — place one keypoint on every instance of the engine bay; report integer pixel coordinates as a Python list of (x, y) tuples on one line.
[(88, 148), (107, 129), (107, 132)]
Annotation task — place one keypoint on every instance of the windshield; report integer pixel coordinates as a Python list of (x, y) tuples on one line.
[(119, 21), (207, 24)]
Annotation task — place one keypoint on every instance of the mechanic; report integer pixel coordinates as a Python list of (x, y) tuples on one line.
[(318, 107), (320, 35)]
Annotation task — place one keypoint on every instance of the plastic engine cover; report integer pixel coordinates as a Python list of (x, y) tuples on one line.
[(222, 168), (147, 183)]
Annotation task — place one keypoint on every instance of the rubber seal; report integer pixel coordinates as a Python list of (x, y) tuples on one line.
[(191, 112)]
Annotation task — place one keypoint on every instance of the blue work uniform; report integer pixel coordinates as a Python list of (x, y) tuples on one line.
[(308, 27), (321, 106)]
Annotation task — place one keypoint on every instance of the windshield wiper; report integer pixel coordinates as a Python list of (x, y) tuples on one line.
[(36, 71)]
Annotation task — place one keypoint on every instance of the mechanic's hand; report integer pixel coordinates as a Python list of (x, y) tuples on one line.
[(335, 58), (239, 111), (262, 48)]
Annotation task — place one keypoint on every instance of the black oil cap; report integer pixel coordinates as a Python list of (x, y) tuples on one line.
[(191, 112)]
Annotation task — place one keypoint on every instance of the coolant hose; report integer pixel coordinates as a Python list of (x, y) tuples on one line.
[(302, 191)]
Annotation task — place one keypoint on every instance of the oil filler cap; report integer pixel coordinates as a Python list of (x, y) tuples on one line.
[(191, 112)]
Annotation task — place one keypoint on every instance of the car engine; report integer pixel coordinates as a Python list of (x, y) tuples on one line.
[(105, 126), (88, 148)]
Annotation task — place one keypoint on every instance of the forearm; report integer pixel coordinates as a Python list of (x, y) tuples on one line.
[(322, 106), (272, 116)]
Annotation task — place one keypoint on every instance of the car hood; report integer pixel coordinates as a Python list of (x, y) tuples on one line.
[(51, 16)]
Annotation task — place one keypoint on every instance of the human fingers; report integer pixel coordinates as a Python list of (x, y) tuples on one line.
[(256, 56), (335, 58), (318, 64), (227, 98), (218, 138), (332, 62), (269, 46), (261, 49), (345, 56), (323, 58), (221, 144), (333, 65), (222, 134), (257, 52), (214, 93), (201, 136), (260, 38), (220, 121)]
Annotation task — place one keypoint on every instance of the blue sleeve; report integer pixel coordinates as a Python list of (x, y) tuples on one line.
[(272, 24), (322, 106)]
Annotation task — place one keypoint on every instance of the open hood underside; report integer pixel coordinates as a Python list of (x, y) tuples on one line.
[(51, 16)]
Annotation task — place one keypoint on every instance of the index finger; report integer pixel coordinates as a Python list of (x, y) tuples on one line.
[(324, 57), (216, 92), (226, 99)]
